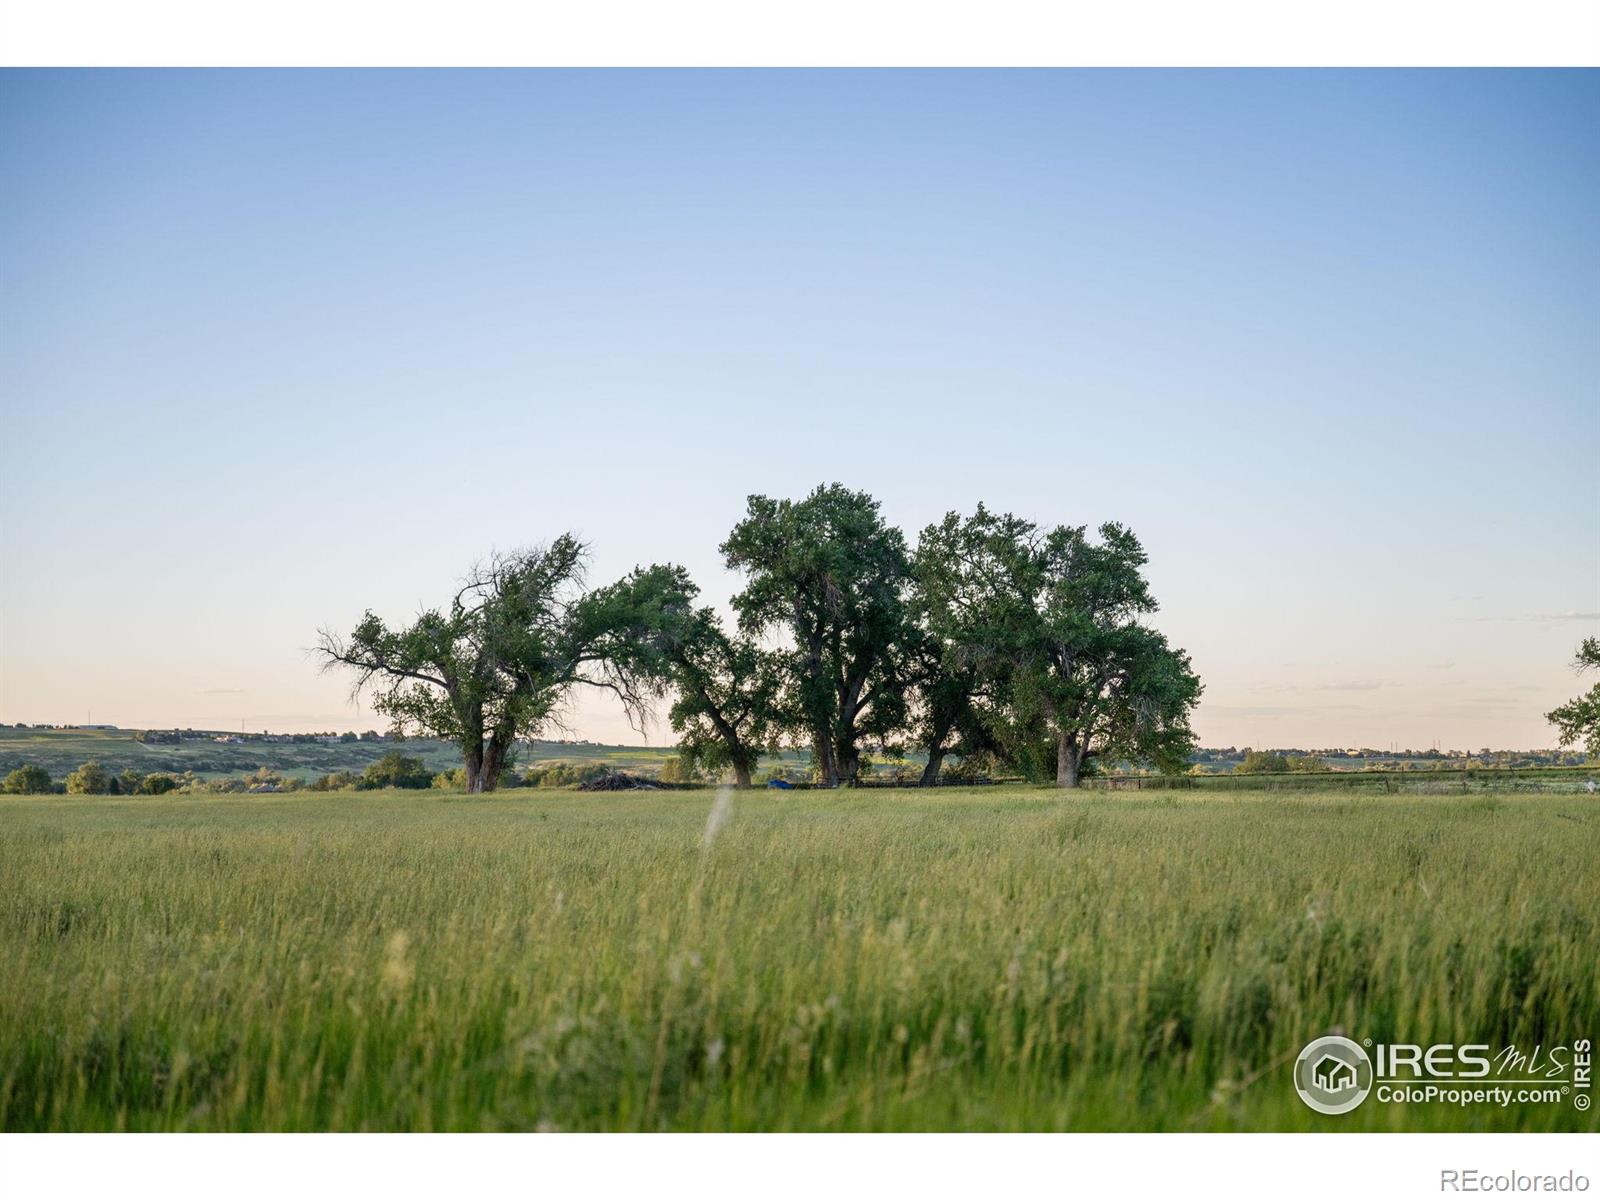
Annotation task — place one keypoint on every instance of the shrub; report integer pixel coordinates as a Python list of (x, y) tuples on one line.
[(971, 768), (452, 780), (91, 779), (1261, 762), (337, 781), (565, 774), (27, 781), (396, 770), (157, 785), (676, 770)]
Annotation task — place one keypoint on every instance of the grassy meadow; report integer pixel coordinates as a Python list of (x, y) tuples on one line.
[(986, 959)]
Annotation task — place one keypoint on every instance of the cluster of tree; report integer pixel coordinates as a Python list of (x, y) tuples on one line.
[(91, 779), (1268, 762), (393, 770), (571, 774), (27, 780), (992, 636)]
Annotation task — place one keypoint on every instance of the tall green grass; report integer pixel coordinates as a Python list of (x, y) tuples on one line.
[(990, 959)]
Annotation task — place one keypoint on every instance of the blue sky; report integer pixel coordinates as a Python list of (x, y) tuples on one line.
[(278, 347)]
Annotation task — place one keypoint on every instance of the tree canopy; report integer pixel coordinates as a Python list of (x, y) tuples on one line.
[(1578, 720), (498, 663), (27, 780), (91, 779), (726, 710), (994, 639), (830, 573), (1052, 620)]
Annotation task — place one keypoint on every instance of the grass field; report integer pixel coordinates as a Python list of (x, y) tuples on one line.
[(989, 959)]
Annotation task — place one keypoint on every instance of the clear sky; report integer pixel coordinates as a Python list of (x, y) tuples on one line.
[(278, 347)]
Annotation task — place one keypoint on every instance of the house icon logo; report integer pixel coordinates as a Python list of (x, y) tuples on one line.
[(1333, 1075)]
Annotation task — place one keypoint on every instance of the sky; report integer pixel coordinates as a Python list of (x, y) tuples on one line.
[(279, 347)]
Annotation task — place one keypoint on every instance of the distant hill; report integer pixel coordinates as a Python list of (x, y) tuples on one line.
[(62, 750)]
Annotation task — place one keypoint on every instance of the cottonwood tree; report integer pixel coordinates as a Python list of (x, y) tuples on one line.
[(1578, 720), (725, 688), (828, 572), (1051, 619), (727, 694), (947, 690), (498, 663)]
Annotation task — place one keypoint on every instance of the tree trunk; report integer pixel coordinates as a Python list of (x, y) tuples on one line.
[(494, 762), (827, 767), (1067, 760), (492, 767), (741, 774), (930, 773), (848, 765), (474, 763)]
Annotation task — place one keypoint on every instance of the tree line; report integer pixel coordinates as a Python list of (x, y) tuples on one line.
[(991, 636)]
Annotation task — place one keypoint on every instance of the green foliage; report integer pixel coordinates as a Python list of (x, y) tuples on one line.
[(566, 774), (454, 780), (91, 779), (726, 697), (498, 662), (957, 960), (974, 768), (997, 638), (1052, 621), (27, 781), (1578, 720), (954, 709), (337, 781), (398, 771), (677, 770), (829, 572), (1261, 762)]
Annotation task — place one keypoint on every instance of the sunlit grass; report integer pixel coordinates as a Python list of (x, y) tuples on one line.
[(983, 959)]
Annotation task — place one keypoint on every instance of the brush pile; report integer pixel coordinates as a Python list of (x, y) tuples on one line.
[(616, 781)]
